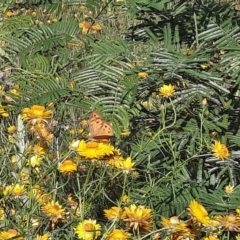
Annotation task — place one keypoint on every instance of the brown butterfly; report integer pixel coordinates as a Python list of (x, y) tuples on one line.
[(99, 129)]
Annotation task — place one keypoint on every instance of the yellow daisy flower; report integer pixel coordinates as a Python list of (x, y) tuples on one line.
[(45, 236), (167, 90), (14, 190), (3, 113), (39, 149), (2, 214), (220, 150), (10, 234), (211, 238), (197, 212), (126, 165), (68, 166), (118, 234), (54, 211), (96, 27), (143, 75), (125, 199), (88, 230), (229, 189), (114, 213), (92, 150), (139, 218), (36, 114), (12, 129), (34, 161)]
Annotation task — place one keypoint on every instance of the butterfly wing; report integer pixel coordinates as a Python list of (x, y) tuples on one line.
[(99, 129)]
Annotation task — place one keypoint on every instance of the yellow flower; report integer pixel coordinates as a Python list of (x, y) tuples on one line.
[(197, 212), (45, 236), (125, 199), (97, 27), (15, 92), (2, 213), (34, 161), (229, 189), (10, 234), (126, 165), (114, 213), (178, 229), (12, 129), (72, 131), (88, 230), (220, 150), (210, 238), (139, 218), (9, 13), (167, 90), (68, 166), (14, 190), (45, 134), (37, 193), (3, 113), (43, 198), (229, 222), (54, 211), (36, 114), (118, 234), (143, 75), (125, 133), (91, 150), (203, 66), (86, 26), (40, 149)]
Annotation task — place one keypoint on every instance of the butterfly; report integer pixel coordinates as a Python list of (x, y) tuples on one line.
[(100, 130)]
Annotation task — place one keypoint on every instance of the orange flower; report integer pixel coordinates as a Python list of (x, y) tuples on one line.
[(86, 26), (229, 222)]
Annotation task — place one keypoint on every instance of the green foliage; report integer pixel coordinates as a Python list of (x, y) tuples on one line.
[(193, 45)]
